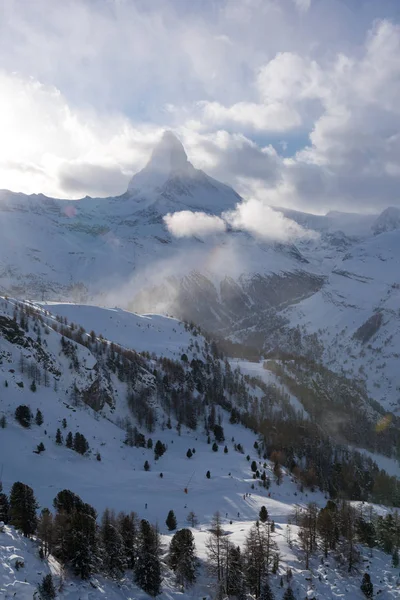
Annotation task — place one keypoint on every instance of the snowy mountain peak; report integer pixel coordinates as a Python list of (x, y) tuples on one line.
[(169, 155), (388, 220), (168, 159)]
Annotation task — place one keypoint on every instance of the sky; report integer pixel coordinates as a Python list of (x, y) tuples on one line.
[(294, 103)]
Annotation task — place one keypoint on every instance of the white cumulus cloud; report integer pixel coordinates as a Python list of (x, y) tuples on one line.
[(186, 223)]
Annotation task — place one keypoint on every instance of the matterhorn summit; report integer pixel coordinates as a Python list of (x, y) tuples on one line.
[(170, 179)]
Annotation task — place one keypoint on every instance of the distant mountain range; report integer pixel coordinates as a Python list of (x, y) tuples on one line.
[(333, 298)]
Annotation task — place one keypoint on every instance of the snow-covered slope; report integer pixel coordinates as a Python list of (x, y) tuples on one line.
[(34, 345)]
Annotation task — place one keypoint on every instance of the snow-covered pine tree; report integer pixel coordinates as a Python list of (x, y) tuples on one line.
[(112, 546), (148, 565), (46, 588), (182, 557), (266, 592), (128, 528), (45, 531)]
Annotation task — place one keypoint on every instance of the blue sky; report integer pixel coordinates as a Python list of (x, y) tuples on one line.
[(274, 97)]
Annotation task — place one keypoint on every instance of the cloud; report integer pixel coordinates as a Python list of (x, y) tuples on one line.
[(50, 146), (252, 216), (263, 222), (87, 87), (186, 223), (274, 116), (303, 5)]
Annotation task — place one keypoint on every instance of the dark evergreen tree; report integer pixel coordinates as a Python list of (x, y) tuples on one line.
[(182, 557), (112, 546), (395, 555), (39, 418), (253, 466), (148, 566), (159, 449), (266, 592), (46, 588), (23, 415), (75, 534), (3, 422), (215, 447), (64, 423), (4, 506), (23, 508), (171, 521), (59, 439), (288, 595), (33, 386), (69, 442), (208, 474), (219, 433), (234, 576), (45, 531), (366, 586), (128, 528), (263, 514), (189, 453), (80, 444), (40, 448), (146, 465), (226, 450)]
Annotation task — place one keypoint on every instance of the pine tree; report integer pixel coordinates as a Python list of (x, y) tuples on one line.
[(288, 595), (112, 546), (159, 449), (263, 514), (395, 555), (266, 592), (215, 447), (3, 421), (148, 566), (128, 528), (64, 423), (233, 572), (59, 439), (33, 386), (253, 466), (39, 418), (40, 448), (208, 474), (69, 442), (260, 549), (4, 506), (182, 557), (75, 533), (189, 453), (23, 415), (366, 586), (46, 588), (171, 521), (146, 466), (45, 531), (23, 507), (226, 450)]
